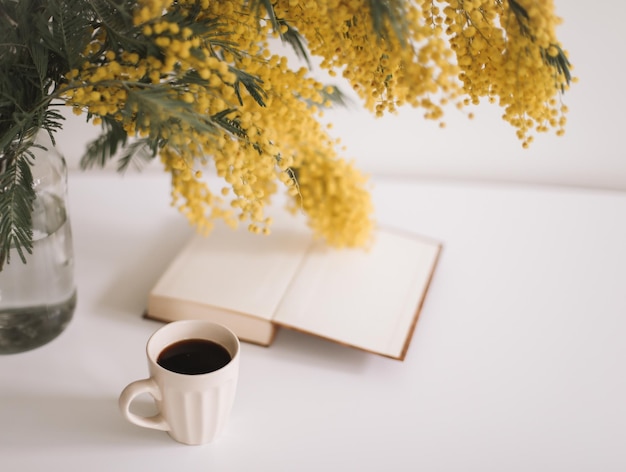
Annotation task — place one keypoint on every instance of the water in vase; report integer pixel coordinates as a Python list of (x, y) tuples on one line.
[(37, 299)]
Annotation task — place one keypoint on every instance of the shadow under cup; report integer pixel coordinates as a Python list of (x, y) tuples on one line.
[(193, 409)]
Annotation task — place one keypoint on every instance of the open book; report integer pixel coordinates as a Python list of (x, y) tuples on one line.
[(365, 298)]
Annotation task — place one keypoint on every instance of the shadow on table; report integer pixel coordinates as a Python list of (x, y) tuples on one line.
[(304, 348), (41, 422), (138, 271), (124, 295)]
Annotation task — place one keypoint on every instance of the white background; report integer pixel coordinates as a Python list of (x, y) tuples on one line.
[(590, 154), (517, 362)]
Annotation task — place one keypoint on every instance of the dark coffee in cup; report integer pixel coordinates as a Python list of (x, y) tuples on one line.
[(194, 367), (194, 356)]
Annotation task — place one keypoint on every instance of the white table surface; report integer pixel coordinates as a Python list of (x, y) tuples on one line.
[(517, 362)]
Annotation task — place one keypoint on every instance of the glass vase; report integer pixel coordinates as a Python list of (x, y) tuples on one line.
[(37, 298)]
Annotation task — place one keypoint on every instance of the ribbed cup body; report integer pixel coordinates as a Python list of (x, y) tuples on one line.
[(196, 407), (193, 408)]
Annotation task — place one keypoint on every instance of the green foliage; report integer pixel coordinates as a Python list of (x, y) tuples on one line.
[(559, 63), (112, 139), (41, 41), (38, 44), (16, 203), (251, 83), (290, 36), (388, 14)]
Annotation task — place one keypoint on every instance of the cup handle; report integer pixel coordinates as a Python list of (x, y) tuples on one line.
[(135, 389)]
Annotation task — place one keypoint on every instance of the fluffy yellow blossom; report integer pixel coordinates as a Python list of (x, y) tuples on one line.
[(206, 91), (507, 51), (148, 10)]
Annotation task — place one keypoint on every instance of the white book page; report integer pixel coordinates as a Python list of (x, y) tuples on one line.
[(236, 270), (366, 299)]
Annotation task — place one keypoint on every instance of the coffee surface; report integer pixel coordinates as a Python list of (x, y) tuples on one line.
[(194, 356)]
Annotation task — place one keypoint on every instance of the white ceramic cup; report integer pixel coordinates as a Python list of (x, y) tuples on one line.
[(193, 409)]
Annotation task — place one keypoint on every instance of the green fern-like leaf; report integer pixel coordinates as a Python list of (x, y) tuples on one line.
[(389, 13), (115, 15), (137, 154), (68, 34), (104, 147), (16, 204), (229, 124), (295, 40), (291, 37), (559, 63), (251, 83)]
